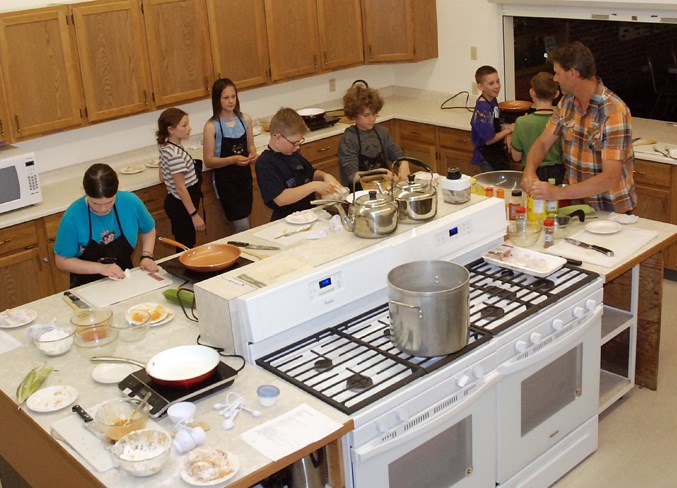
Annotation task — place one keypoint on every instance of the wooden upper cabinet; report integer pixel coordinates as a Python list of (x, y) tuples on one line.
[(179, 50), (239, 41), (113, 58), (39, 64), (399, 30), (292, 38), (5, 126), (340, 33)]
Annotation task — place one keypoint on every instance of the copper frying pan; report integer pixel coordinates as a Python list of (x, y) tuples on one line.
[(205, 258)]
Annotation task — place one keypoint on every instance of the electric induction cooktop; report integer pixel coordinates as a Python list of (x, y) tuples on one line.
[(175, 267)]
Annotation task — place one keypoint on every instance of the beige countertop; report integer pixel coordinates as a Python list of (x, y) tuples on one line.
[(74, 370), (61, 187)]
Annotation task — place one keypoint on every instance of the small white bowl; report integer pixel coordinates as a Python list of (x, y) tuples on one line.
[(268, 395), (143, 452), (182, 412), (54, 341)]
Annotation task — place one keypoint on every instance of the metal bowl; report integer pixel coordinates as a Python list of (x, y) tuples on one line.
[(508, 180)]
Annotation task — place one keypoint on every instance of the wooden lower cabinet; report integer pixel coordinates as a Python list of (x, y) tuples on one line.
[(60, 278), (455, 148), (24, 268)]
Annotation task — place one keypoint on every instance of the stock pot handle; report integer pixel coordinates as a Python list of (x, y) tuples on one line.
[(406, 305)]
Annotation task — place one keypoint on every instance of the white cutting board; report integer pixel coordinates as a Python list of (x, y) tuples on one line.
[(270, 233), (623, 243), (105, 292)]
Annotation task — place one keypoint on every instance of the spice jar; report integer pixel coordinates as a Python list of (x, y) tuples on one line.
[(549, 232)]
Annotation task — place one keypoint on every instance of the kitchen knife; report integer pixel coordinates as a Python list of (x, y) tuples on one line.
[(253, 246), (75, 302), (603, 250)]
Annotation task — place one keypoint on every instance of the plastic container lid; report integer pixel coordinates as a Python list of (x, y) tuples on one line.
[(521, 210), (548, 222), (517, 193), (267, 391)]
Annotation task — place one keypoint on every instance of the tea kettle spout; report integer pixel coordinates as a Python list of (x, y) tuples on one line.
[(347, 218)]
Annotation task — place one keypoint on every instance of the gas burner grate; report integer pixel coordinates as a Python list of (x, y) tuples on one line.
[(366, 365), (518, 295)]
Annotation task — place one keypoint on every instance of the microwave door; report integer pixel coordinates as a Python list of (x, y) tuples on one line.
[(10, 185)]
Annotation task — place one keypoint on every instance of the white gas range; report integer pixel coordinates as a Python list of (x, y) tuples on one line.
[(434, 421)]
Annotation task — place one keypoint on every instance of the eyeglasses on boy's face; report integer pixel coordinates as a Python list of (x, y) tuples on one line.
[(293, 143)]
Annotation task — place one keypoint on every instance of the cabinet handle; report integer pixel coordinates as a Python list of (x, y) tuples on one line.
[(2, 128), (145, 97), (315, 60), (52, 239), (207, 84), (6, 241), (45, 260), (18, 126), (32, 246), (323, 149), (641, 173)]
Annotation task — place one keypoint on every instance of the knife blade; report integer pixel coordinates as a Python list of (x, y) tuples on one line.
[(253, 246), (603, 250)]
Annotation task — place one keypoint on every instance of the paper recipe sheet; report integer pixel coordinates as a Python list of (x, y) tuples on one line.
[(290, 432)]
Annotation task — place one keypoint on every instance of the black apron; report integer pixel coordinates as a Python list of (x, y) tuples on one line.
[(118, 251), (233, 183), (495, 154), (301, 177), (365, 163)]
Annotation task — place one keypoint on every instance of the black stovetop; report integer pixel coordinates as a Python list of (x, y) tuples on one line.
[(174, 267)]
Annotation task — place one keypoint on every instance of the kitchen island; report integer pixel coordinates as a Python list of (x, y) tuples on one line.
[(43, 461)]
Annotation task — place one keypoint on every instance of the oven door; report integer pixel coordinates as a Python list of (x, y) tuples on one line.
[(435, 450), (547, 394)]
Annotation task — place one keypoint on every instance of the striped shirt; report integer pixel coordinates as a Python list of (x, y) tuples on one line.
[(173, 160), (602, 133)]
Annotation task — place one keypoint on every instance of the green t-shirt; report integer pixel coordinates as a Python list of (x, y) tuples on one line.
[(527, 130)]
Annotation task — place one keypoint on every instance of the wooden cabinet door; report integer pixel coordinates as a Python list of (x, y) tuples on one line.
[(292, 38), (455, 148), (113, 58), (60, 278), (40, 69), (388, 30), (340, 30), (179, 50), (239, 41), (260, 212), (5, 125), (421, 151)]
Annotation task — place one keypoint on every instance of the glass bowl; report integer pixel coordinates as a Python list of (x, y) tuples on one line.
[(120, 416), (143, 452), (133, 327), (96, 341), (508, 180), (92, 317), (525, 240), (54, 341)]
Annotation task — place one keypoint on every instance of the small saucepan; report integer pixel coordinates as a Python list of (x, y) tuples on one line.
[(177, 367), (206, 258)]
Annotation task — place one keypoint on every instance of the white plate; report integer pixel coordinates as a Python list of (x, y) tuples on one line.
[(168, 318), (234, 465), (159, 312), (603, 227), (303, 217), (52, 398), (153, 163), (132, 169), (524, 260), (112, 372), (16, 317)]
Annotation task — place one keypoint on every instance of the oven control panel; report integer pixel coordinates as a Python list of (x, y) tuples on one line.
[(320, 288)]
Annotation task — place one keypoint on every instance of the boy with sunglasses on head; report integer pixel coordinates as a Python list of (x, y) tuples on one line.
[(287, 181)]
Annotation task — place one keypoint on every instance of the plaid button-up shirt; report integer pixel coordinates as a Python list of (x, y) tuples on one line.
[(602, 132)]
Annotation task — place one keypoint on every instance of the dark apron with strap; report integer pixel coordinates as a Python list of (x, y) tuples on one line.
[(365, 163), (117, 251), (233, 183), (495, 153), (301, 177)]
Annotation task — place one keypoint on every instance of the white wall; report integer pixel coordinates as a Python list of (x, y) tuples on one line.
[(461, 24)]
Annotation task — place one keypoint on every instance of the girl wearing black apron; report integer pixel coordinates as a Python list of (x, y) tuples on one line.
[(233, 183), (118, 251)]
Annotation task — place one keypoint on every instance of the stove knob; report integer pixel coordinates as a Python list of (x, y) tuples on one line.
[(381, 426), (478, 371), (591, 304), (462, 380), (579, 312), (535, 337), (402, 415), (520, 346), (557, 324)]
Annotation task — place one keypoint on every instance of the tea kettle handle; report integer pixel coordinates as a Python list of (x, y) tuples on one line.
[(417, 162)]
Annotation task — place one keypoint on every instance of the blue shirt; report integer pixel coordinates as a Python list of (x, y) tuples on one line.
[(73, 234), (482, 126)]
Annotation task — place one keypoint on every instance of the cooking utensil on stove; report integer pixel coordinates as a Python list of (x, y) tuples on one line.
[(416, 200), (311, 114), (179, 367), (208, 257), (253, 246), (429, 307), (603, 250)]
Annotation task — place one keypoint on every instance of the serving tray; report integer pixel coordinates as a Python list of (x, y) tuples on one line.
[(524, 260)]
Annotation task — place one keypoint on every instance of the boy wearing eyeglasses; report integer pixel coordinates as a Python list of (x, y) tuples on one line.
[(287, 181)]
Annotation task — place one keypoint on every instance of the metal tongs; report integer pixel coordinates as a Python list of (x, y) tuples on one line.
[(665, 152)]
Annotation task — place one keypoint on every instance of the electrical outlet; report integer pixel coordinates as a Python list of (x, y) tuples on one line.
[(332, 85), (473, 53)]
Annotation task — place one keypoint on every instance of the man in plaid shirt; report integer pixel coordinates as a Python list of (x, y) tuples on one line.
[(595, 127)]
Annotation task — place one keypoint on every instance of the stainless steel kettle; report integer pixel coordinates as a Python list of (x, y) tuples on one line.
[(309, 472), (416, 200)]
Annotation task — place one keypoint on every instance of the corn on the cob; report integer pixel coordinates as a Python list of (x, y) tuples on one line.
[(32, 382)]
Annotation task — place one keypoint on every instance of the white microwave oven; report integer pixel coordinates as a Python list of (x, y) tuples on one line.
[(19, 183)]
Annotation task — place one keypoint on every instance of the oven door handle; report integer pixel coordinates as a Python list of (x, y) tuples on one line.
[(551, 349), (366, 452)]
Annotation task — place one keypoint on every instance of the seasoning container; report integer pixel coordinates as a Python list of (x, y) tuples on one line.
[(535, 209), (549, 232), (500, 193), (551, 205), (456, 187), (489, 191), (521, 220), (476, 188), (512, 202)]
